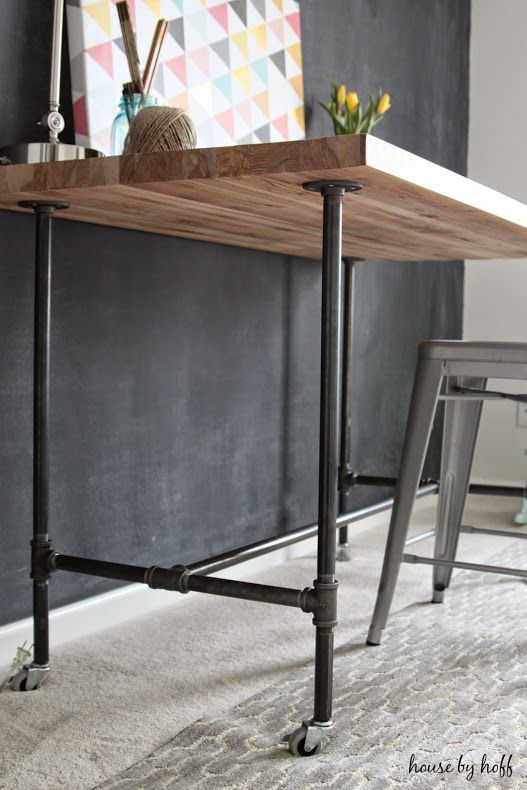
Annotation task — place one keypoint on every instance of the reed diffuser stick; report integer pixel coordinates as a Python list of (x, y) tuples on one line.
[(153, 55), (130, 46)]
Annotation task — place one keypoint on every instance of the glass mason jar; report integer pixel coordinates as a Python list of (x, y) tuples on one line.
[(129, 106)]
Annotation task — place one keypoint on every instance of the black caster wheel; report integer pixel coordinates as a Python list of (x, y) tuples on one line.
[(18, 681), (297, 744), (22, 681)]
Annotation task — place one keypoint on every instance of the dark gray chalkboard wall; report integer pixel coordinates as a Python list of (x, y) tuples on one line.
[(184, 383)]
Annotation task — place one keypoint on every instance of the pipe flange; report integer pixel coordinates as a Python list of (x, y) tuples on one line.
[(326, 187)]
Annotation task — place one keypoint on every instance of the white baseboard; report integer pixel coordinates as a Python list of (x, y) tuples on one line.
[(505, 483), (100, 612)]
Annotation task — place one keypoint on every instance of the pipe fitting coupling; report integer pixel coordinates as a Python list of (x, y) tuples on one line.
[(175, 579), (346, 478), (308, 600), (40, 559), (325, 609)]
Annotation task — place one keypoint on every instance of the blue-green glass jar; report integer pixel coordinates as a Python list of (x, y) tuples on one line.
[(129, 106)]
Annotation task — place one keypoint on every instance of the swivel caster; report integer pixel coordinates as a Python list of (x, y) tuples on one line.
[(297, 744), (306, 741), (29, 678)]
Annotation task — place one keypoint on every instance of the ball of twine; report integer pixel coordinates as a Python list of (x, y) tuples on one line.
[(161, 129)]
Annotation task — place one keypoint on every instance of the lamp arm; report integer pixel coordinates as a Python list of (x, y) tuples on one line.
[(53, 120)]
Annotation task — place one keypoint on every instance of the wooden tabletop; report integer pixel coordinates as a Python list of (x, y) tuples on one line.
[(252, 196)]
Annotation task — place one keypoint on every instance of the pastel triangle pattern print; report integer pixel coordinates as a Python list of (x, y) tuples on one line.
[(234, 65)]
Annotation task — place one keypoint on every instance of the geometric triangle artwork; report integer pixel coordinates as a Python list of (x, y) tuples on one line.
[(221, 48), (234, 65), (262, 102), (80, 116), (281, 125), (243, 76), (264, 133), (177, 31), (240, 40), (260, 67), (224, 85), (154, 6), (178, 66), (159, 81), (220, 14), (259, 6), (240, 8), (278, 58), (226, 119), (100, 13), (297, 83), (295, 51), (102, 54), (259, 34), (119, 43), (294, 21)]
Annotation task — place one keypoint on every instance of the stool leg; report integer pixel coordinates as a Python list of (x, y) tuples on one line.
[(420, 419), (462, 418)]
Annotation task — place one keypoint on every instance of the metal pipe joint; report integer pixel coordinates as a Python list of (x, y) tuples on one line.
[(40, 558), (346, 479), (175, 578), (324, 602)]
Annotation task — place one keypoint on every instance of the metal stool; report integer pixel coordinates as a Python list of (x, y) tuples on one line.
[(466, 368)]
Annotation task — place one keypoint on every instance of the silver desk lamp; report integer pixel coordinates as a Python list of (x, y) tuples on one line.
[(53, 150)]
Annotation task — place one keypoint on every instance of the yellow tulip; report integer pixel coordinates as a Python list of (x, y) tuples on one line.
[(352, 101), (341, 94), (383, 104)]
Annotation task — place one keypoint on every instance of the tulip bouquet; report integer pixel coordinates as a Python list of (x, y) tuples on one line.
[(347, 113)]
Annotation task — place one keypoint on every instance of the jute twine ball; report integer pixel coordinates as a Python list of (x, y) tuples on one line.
[(161, 129)]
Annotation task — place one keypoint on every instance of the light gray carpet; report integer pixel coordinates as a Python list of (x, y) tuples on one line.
[(114, 698), (447, 684)]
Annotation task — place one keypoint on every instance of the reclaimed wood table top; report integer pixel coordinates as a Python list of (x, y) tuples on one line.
[(251, 196)]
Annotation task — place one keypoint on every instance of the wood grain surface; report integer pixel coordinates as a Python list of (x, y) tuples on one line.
[(252, 196)]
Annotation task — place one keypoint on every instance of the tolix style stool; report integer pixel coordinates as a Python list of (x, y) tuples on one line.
[(465, 367)]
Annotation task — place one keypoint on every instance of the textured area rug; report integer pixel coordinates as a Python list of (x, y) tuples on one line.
[(446, 686)]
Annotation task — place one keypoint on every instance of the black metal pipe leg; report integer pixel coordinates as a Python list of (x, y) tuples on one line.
[(306, 740), (324, 675), (40, 624), (33, 674), (41, 427), (348, 288), (329, 439)]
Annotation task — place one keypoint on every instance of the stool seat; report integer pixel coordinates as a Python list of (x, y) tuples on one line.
[(480, 351), (464, 368)]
